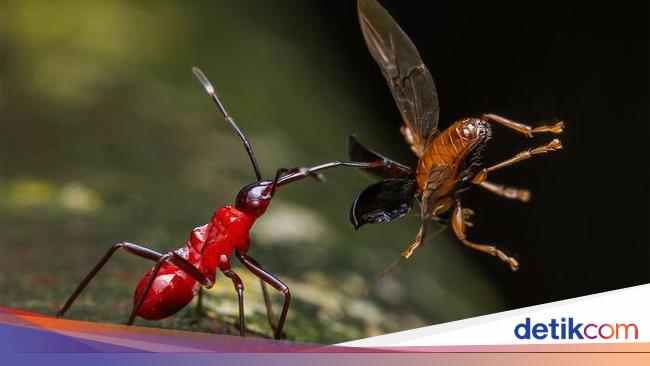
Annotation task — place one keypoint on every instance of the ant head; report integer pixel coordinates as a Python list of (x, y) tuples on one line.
[(255, 198)]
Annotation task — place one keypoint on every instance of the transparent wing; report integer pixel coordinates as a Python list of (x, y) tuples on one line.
[(438, 176), (408, 78)]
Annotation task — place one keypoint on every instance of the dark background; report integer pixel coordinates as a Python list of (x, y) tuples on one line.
[(540, 61), (105, 135)]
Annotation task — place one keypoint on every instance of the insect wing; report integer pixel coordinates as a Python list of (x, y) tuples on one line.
[(438, 176), (408, 78), (383, 201), (388, 169)]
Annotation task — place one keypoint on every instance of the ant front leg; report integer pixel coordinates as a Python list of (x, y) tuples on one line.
[(267, 299), (257, 270), (239, 287), (522, 128), (459, 225), (554, 145)]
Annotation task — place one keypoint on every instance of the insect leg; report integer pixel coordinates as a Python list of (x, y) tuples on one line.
[(267, 299), (417, 242), (268, 304), (199, 301), (522, 128), (257, 270), (239, 287), (524, 155), (129, 248), (391, 267), (140, 251), (426, 214), (270, 315), (507, 192), (143, 295), (458, 224), (189, 268), (181, 263)]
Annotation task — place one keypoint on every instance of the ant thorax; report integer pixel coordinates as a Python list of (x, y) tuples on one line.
[(227, 232)]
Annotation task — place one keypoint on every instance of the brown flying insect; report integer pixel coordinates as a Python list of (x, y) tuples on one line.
[(448, 160)]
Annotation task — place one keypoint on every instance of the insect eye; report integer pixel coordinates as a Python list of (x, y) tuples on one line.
[(255, 204)]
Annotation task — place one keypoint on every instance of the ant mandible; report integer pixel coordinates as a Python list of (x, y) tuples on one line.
[(180, 275)]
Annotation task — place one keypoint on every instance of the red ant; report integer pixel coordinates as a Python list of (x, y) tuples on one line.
[(179, 276)]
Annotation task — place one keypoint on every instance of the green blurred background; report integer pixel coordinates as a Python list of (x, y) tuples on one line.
[(107, 136)]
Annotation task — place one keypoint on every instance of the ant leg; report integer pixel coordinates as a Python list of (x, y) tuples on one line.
[(181, 263), (128, 247), (257, 270), (458, 224), (199, 301), (141, 252), (269, 305), (550, 147), (239, 287), (520, 194), (267, 299), (143, 295), (189, 268), (522, 128)]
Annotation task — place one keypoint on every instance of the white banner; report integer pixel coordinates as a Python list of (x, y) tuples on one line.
[(609, 317)]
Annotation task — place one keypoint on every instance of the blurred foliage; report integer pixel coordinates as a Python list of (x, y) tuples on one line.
[(106, 136)]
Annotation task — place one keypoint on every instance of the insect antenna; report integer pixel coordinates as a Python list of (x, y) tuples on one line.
[(391, 267), (213, 94)]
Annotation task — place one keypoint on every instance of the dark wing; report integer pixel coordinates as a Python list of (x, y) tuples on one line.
[(410, 82), (388, 169), (383, 201)]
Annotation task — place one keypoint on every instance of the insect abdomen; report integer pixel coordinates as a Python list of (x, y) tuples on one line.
[(449, 148), (172, 290)]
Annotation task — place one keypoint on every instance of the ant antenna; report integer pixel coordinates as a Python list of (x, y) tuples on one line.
[(210, 89)]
